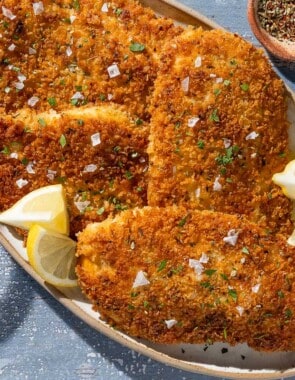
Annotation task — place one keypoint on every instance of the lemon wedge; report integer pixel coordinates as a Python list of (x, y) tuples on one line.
[(286, 180), (45, 206), (52, 256)]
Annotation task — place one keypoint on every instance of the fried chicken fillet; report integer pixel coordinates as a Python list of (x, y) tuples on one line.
[(98, 153), (176, 275), (104, 51), (219, 129)]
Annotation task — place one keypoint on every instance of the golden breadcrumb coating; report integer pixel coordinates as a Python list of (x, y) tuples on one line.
[(219, 129), (54, 51), (97, 153), (176, 275)]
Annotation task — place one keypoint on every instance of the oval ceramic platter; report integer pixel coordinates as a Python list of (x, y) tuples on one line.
[(218, 359)]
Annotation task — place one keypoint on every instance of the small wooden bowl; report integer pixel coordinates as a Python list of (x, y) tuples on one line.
[(280, 49)]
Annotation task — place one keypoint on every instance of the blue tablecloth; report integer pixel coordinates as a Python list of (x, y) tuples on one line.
[(40, 339)]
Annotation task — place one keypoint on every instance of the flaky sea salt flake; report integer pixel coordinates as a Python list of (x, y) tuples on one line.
[(252, 135), (113, 70), (19, 85), (30, 168), (14, 155), (227, 142), (20, 183), (105, 8), (204, 258), (240, 310), (72, 18), (170, 323), (185, 84), (95, 139), (7, 13), (232, 237), (255, 288), (69, 51), (90, 168), (192, 122), (32, 51), (198, 61), (196, 265), (11, 47), (216, 185), (77, 96), (38, 8), (140, 280), (51, 174), (33, 101)]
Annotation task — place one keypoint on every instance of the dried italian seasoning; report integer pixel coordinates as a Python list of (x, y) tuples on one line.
[(277, 17)]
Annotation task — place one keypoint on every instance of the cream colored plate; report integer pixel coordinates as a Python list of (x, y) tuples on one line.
[(239, 361)]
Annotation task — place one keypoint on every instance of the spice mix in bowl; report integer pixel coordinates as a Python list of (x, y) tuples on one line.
[(273, 23)]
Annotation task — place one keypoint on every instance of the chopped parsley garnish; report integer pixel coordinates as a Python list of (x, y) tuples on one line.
[(74, 102), (42, 122), (228, 157), (162, 265), (102, 97), (118, 11), (214, 116), (244, 87), (182, 222), (224, 276), (138, 121), (27, 129), (80, 122), (206, 285), (25, 161), (288, 314), (117, 149), (63, 141), (100, 211), (52, 102), (5, 150), (78, 88), (245, 250), (233, 294), (128, 175), (136, 47), (227, 82), (217, 91), (210, 272), (176, 270), (76, 4), (280, 294), (200, 144)]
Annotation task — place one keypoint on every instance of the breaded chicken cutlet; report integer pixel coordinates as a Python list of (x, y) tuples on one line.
[(219, 129), (174, 275), (97, 153), (62, 54)]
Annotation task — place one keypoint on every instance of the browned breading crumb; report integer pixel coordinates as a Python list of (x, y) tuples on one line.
[(98, 154), (62, 48), (178, 275), (219, 129)]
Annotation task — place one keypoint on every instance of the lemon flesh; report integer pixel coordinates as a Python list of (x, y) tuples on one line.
[(45, 206), (286, 180), (52, 256)]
